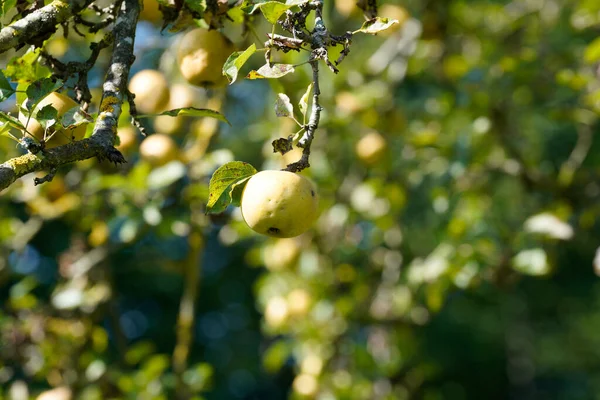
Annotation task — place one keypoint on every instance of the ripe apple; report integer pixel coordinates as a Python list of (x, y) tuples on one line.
[(151, 91), (201, 55), (159, 149), (279, 203)]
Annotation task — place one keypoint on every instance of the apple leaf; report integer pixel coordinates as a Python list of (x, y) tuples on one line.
[(222, 187), (75, 117), (304, 100), (283, 106), (6, 89), (236, 61), (10, 120), (376, 25), (189, 112), (26, 68), (273, 71), (47, 116), (39, 89)]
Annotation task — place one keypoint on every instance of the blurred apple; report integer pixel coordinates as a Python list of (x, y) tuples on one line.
[(371, 148), (159, 149), (151, 91), (281, 253), (128, 138)]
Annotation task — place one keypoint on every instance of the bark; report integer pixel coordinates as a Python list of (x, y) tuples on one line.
[(100, 143)]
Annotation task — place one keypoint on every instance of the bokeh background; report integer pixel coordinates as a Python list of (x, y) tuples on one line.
[(454, 257)]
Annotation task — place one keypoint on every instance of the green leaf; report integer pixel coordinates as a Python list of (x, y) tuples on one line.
[(222, 185), (196, 5), (235, 62), (39, 89), (272, 72), (189, 112), (7, 5), (75, 117), (304, 100), (272, 10), (5, 89), (283, 106), (47, 116), (26, 68), (376, 25), (10, 120), (592, 52)]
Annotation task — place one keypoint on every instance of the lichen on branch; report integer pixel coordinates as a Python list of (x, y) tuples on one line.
[(101, 143)]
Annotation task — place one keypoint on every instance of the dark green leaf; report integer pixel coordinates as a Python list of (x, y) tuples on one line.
[(6, 89), (39, 89), (235, 62), (75, 117), (222, 185)]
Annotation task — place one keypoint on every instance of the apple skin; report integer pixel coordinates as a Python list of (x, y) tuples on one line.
[(279, 203), (151, 91), (201, 55)]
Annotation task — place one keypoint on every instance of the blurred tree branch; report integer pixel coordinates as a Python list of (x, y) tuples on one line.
[(100, 144)]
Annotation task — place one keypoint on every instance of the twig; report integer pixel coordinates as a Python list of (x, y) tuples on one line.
[(101, 143)]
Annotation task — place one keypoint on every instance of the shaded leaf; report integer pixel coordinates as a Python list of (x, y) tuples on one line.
[(75, 117), (6, 89), (376, 25), (47, 116), (189, 112), (10, 120), (274, 71), (39, 89), (7, 5), (236, 61), (222, 183), (283, 106)]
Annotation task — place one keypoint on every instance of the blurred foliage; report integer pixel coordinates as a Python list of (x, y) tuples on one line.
[(453, 258)]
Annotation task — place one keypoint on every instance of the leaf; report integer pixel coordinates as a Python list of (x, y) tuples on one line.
[(272, 10), (189, 112), (195, 5), (10, 120), (47, 116), (39, 89), (235, 62), (274, 71), (7, 5), (376, 25), (75, 117), (223, 182), (26, 68), (304, 100), (6, 89), (283, 106)]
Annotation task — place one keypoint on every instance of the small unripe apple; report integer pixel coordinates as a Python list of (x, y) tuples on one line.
[(62, 104), (151, 91), (201, 55), (371, 148), (279, 203), (159, 149)]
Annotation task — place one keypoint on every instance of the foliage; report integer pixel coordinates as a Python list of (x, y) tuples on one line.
[(459, 264)]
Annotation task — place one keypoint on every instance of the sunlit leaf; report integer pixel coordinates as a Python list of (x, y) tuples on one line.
[(26, 68), (223, 182), (236, 61), (283, 106), (189, 112), (10, 120), (376, 25), (592, 52), (273, 71), (304, 100)]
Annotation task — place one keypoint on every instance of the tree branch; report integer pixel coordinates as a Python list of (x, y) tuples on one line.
[(39, 23), (100, 144)]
